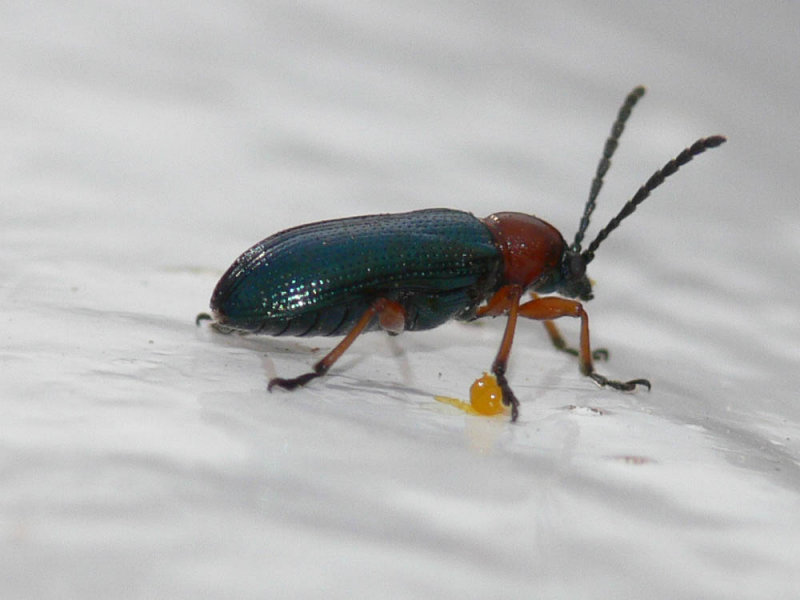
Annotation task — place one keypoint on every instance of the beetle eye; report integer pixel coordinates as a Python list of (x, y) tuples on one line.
[(577, 266), (574, 283)]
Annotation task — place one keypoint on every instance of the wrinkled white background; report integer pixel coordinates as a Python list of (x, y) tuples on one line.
[(146, 144)]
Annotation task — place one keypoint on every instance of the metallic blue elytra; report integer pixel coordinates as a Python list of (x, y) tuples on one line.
[(320, 278)]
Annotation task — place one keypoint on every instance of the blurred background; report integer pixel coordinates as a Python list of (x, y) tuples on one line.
[(145, 145)]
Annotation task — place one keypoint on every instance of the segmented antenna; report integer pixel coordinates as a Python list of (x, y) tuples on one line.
[(605, 162), (655, 180)]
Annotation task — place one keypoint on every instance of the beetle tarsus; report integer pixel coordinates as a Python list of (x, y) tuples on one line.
[(295, 382), (625, 386), (509, 398), (215, 325), (597, 354)]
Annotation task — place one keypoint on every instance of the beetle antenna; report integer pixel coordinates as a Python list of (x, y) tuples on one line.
[(656, 179), (605, 161)]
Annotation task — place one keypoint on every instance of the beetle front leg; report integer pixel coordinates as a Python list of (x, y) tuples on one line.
[(549, 308), (391, 316), (505, 300)]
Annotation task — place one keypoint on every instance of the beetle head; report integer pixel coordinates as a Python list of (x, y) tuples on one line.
[(574, 281), (567, 278)]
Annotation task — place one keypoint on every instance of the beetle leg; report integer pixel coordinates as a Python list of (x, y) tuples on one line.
[(505, 300), (500, 302), (546, 309), (561, 344), (215, 325), (392, 318)]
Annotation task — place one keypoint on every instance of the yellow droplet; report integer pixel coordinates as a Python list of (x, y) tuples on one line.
[(485, 396), (459, 404)]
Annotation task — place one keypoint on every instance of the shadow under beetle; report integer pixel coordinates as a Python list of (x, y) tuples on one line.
[(415, 271)]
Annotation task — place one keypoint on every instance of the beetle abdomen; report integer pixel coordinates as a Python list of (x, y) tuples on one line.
[(318, 279)]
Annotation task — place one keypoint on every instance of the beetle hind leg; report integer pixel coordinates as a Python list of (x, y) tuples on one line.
[(391, 316)]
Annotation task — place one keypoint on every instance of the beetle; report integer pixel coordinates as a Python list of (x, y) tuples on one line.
[(414, 271)]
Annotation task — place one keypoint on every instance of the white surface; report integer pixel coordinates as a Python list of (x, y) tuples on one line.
[(146, 145)]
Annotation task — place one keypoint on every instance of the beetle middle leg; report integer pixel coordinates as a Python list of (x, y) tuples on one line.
[(391, 316), (561, 344), (549, 308)]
